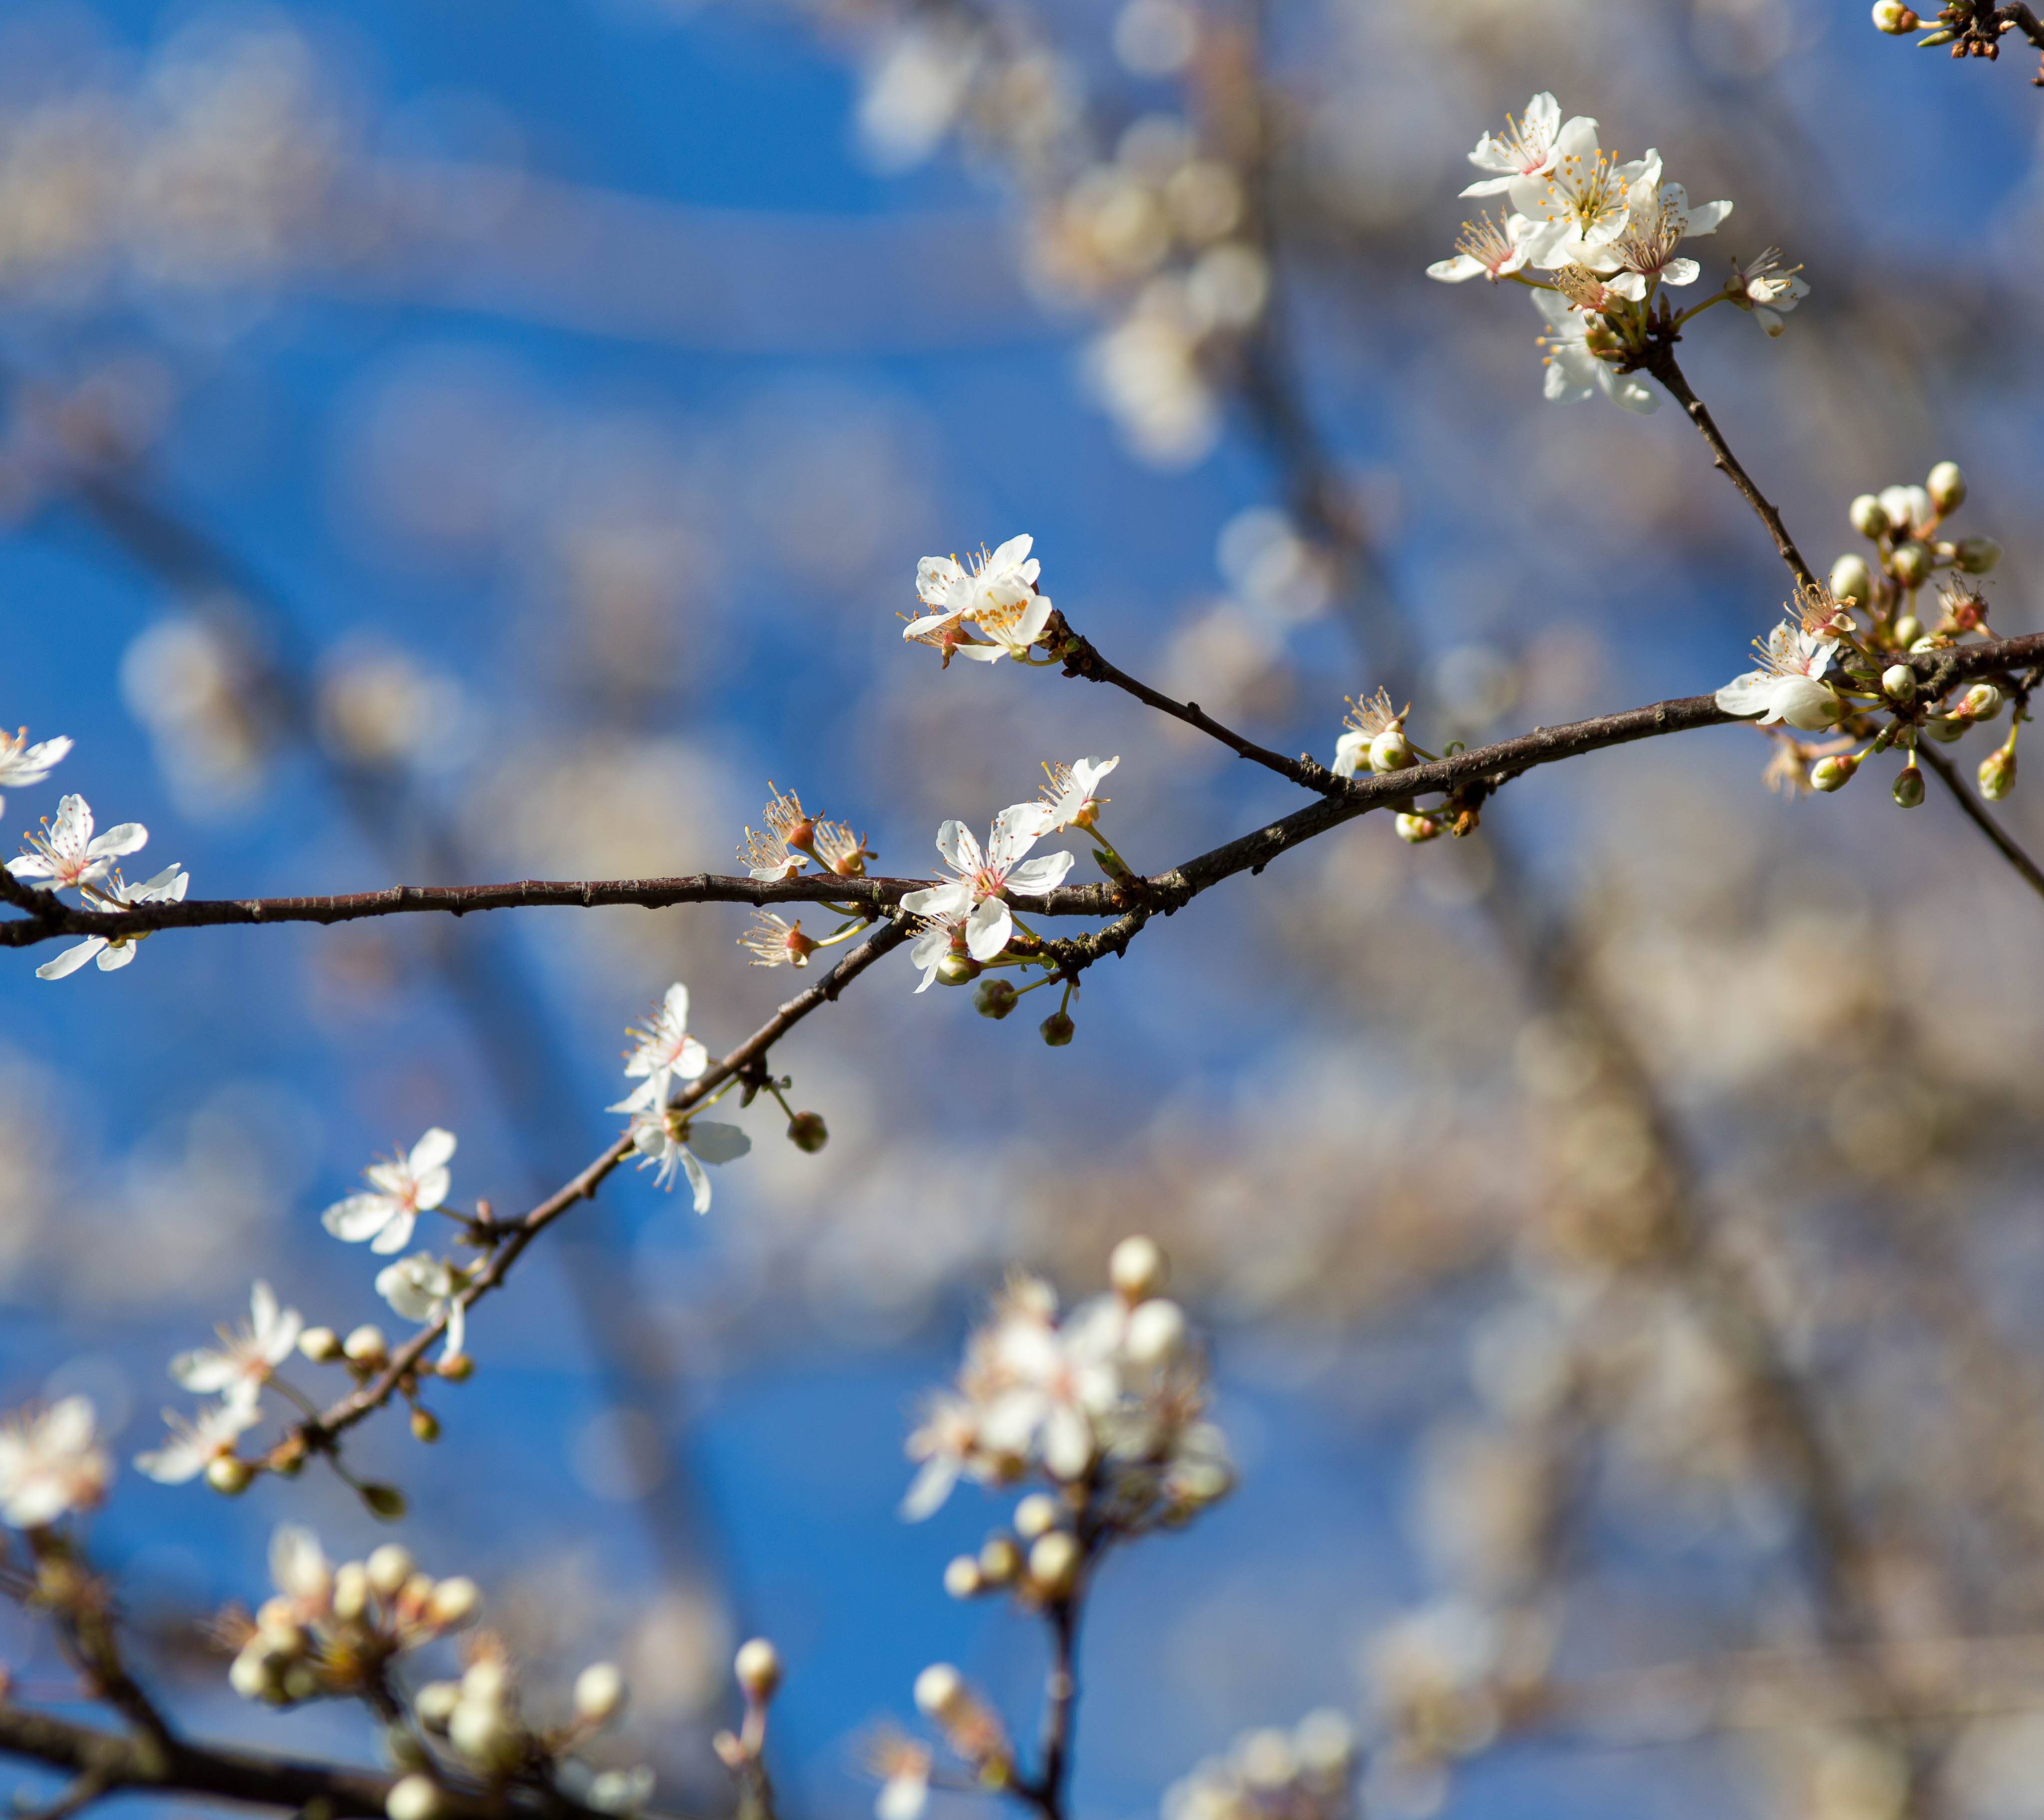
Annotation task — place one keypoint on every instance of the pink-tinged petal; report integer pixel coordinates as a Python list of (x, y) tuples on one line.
[(987, 929), (72, 959), (395, 1234), (1035, 876)]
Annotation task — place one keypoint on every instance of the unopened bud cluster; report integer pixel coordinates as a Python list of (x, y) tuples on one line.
[(1306, 1773)]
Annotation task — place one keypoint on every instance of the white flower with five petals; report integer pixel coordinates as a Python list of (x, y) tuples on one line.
[(975, 893), (956, 593), (672, 1141), (1767, 288), (1073, 797), (406, 1187), (68, 854), (1573, 371), (1581, 205), (193, 1446), (1785, 687), (1485, 248), (239, 1367), (423, 1287), (665, 1053), (51, 1462), (113, 952), (1645, 255), (1529, 147)]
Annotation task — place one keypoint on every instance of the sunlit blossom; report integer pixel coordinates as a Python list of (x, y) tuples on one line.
[(406, 1187)]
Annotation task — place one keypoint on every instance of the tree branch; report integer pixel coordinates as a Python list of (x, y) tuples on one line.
[(1948, 774)]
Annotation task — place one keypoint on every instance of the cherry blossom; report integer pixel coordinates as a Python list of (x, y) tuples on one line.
[(982, 876), (22, 764), (1581, 205), (1574, 369), (773, 941), (1485, 248), (1010, 630), (992, 587), (239, 1367), (1785, 687), (113, 952), (1644, 254), (1767, 288), (1529, 147), (665, 1053), (193, 1446), (1375, 739), (406, 1187), (672, 1141), (51, 1462), (940, 936), (1072, 795), (903, 1765), (68, 853), (423, 1287)]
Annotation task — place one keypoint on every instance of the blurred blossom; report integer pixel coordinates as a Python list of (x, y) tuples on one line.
[(377, 708), (1232, 662), (1155, 37), (915, 89), (1266, 561), (197, 683)]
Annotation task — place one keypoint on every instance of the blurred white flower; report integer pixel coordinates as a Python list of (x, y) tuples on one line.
[(193, 1446), (68, 853), (1573, 371), (114, 952), (1767, 288), (239, 1367), (406, 1187), (21, 764), (672, 1142), (422, 1287), (982, 876), (665, 1053), (1530, 147), (51, 1462)]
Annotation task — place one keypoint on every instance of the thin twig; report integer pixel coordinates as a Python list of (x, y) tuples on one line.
[(1948, 773)]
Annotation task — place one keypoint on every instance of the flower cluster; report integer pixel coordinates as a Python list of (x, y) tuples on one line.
[(985, 608), (1609, 232), (1373, 740), (970, 1728), (1106, 1405), (793, 836), (481, 1721), (334, 1631), (237, 1370), (1842, 659), (1307, 1773), (51, 1464), (667, 1137), (67, 855)]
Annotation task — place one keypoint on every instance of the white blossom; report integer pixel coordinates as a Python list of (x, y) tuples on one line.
[(423, 1287), (51, 1462), (1009, 632), (991, 586), (1645, 255), (1485, 248), (1785, 687), (665, 1053), (239, 1367), (406, 1187), (1573, 370), (21, 764), (672, 1142), (193, 1446), (1767, 288), (1529, 147), (1072, 797), (1582, 204), (982, 876), (66, 853), (113, 952), (903, 1765)]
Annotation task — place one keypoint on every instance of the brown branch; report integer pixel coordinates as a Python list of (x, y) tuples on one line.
[(1948, 774)]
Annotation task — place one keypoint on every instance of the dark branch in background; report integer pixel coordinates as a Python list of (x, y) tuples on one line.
[(1948, 774)]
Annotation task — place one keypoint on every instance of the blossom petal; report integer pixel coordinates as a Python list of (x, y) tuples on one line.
[(434, 1149), (716, 1143), (72, 959), (988, 928), (960, 850), (1035, 876)]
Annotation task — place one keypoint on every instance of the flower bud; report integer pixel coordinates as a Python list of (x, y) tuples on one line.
[(1156, 1332), (351, 1591), (1911, 562), (807, 1131), (1867, 517), (229, 1476), (1908, 791), (1908, 508), (454, 1602), (1907, 630), (413, 1797), (1036, 1515), (1927, 642), (320, 1345), (1413, 829), (1945, 729), (1978, 556), (1137, 1268), (1389, 751), (1947, 487), (1895, 19), (425, 1425), (389, 1568), (433, 1705), (365, 1345), (939, 1691), (255, 1674), (1898, 682), (1833, 772), (1000, 1562), (957, 969), (458, 1367), (961, 1579), (599, 1693), (1980, 704), (1058, 1029), (384, 1501), (995, 998), (1852, 580), (1997, 773), (757, 1667), (1053, 1564)]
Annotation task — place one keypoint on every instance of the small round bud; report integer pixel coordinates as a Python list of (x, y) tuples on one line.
[(413, 1798), (1908, 790), (1911, 562), (1852, 580), (961, 1579), (1907, 630), (1947, 487), (457, 1367), (320, 1345), (229, 1476), (1036, 1515), (1978, 556), (1927, 641), (1138, 1268), (351, 1591), (1867, 517), (957, 969), (1156, 1332), (1053, 1564), (454, 1602), (1834, 772), (1413, 829), (757, 1670), (939, 1691), (1390, 751), (1945, 729), (425, 1425), (599, 1693), (365, 1345), (256, 1675), (1908, 508), (807, 1131), (390, 1567), (1980, 704), (1894, 18), (995, 998), (433, 1705), (1997, 773), (384, 1501), (1000, 1562), (1898, 682), (1058, 1029)]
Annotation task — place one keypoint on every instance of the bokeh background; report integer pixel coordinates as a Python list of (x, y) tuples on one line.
[(449, 442)]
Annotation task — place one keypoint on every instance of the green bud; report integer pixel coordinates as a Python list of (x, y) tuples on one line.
[(229, 1476), (1867, 518), (1980, 704), (1908, 791), (1833, 772), (425, 1425), (1947, 487), (1911, 564), (458, 1367), (995, 998), (1978, 556), (384, 1501), (807, 1131), (1058, 1029), (1997, 773), (1944, 729), (957, 969)]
